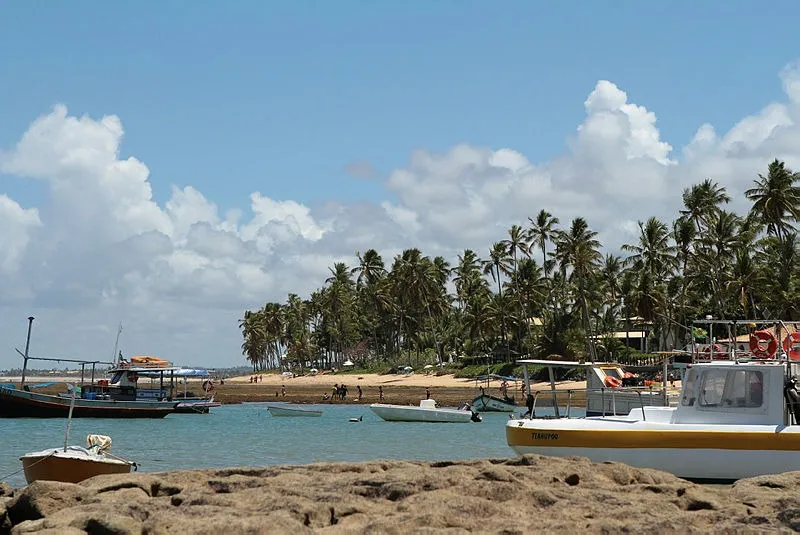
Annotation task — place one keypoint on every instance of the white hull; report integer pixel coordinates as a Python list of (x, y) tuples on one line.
[(694, 451), (285, 410), (409, 413), (487, 403), (687, 463)]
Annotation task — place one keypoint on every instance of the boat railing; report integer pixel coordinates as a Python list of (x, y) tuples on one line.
[(649, 392)]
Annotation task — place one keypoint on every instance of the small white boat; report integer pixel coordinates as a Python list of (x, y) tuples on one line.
[(489, 403), (73, 463), (426, 412), (736, 418), (284, 409)]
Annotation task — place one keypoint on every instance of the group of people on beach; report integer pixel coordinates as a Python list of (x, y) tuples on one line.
[(340, 393)]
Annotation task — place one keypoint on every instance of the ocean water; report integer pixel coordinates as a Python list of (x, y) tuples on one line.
[(247, 435)]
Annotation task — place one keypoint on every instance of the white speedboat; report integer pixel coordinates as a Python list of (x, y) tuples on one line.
[(426, 412), (736, 418), (284, 409)]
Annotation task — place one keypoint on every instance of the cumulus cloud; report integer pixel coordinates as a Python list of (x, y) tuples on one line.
[(100, 249)]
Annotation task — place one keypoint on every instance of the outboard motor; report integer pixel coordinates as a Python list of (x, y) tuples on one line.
[(476, 417), (792, 398)]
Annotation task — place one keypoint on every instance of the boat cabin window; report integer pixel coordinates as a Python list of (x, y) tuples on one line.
[(613, 372), (732, 388), (116, 378), (688, 389)]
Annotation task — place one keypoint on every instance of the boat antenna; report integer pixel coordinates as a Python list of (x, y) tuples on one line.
[(69, 416), (114, 356)]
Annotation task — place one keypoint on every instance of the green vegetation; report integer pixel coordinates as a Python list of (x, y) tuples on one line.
[(546, 290)]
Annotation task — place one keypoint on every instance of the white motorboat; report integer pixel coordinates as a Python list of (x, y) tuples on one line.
[(284, 409), (736, 418), (426, 412), (489, 403)]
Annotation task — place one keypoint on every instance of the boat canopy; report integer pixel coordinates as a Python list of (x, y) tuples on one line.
[(558, 363), (495, 376), (179, 372)]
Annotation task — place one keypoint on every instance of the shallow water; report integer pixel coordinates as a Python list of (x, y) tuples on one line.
[(246, 434)]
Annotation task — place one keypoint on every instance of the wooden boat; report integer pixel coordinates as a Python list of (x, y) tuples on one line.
[(118, 397), (284, 409), (736, 418), (15, 403), (426, 412), (71, 464)]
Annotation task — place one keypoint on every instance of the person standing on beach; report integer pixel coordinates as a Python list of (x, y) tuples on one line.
[(428, 392), (380, 393), (359, 392), (283, 390)]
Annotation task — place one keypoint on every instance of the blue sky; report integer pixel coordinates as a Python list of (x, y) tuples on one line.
[(281, 96), (223, 100)]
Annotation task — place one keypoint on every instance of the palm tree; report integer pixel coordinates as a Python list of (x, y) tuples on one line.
[(703, 201), (542, 230), (578, 249), (654, 253), (516, 242), (776, 199), (496, 266)]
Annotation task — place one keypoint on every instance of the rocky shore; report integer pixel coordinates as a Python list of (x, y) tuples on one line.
[(521, 495)]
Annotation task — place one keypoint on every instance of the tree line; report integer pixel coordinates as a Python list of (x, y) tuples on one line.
[(548, 289)]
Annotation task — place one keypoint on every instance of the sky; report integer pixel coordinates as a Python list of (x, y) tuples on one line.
[(168, 165)]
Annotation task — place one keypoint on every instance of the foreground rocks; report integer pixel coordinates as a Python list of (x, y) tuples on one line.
[(524, 495)]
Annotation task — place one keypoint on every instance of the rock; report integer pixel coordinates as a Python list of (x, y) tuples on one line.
[(42, 498), (5, 489), (518, 495)]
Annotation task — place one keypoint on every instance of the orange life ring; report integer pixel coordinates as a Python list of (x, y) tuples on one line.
[(763, 344), (628, 375), (612, 381), (791, 344)]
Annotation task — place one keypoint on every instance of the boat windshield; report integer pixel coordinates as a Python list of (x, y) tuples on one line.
[(688, 388), (732, 388)]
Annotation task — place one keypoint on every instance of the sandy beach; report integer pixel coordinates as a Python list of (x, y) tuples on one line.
[(446, 389)]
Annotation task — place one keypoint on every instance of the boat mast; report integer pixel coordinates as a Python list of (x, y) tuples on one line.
[(69, 416), (25, 356), (114, 357)]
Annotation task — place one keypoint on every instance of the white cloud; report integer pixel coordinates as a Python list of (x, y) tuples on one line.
[(100, 250)]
